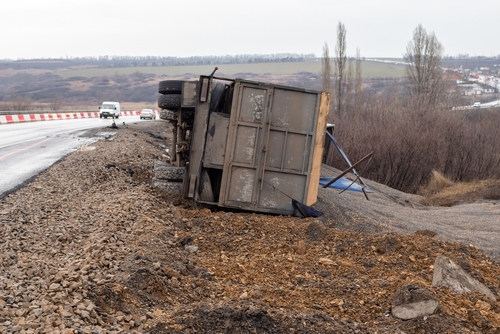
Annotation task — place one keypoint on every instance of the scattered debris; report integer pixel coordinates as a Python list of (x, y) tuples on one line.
[(448, 274), (412, 301), (89, 249)]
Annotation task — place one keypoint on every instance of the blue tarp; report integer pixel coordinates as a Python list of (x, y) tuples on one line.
[(304, 211), (342, 184)]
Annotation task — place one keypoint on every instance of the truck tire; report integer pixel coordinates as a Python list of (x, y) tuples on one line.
[(168, 115), (170, 87), (169, 101), (165, 171), (167, 186)]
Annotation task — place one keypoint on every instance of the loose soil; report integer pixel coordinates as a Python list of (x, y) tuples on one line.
[(93, 246)]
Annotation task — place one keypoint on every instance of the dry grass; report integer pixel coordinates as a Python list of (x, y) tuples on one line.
[(436, 184), (409, 143), (463, 192)]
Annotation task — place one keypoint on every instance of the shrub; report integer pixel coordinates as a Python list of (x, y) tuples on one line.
[(409, 144)]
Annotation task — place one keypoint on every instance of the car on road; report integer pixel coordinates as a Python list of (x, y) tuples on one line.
[(147, 113), (109, 109), (477, 105)]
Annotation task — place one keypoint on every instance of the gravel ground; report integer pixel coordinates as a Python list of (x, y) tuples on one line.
[(90, 246), (388, 210)]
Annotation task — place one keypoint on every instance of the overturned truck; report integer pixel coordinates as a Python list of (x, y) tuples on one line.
[(242, 144)]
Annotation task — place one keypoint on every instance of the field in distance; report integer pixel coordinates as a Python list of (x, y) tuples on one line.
[(369, 69)]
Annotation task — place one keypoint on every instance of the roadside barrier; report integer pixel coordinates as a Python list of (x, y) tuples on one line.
[(22, 118)]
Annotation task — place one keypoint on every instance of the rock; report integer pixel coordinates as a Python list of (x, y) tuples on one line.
[(482, 306), (191, 248), (65, 313), (412, 301), (325, 273), (301, 247), (388, 244), (170, 272), (202, 273), (257, 294), (324, 260), (478, 319), (450, 275), (316, 231)]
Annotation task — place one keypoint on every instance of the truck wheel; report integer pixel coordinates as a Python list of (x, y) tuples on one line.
[(169, 101), (165, 171), (170, 87), (167, 186), (168, 115)]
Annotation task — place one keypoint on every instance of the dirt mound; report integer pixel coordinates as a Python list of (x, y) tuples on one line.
[(117, 254)]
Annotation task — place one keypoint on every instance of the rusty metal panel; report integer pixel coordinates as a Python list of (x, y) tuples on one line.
[(239, 187), (294, 110), (242, 185), (270, 145), (245, 150), (252, 105), (215, 145), (276, 189), (288, 151)]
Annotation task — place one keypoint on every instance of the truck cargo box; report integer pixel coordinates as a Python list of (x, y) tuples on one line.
[(250, 145)]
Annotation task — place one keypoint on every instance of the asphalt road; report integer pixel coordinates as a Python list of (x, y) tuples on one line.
[(27, 149)]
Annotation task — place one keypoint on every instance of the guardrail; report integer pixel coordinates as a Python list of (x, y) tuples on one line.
[(16, 112), (8, 117), (472, 107)]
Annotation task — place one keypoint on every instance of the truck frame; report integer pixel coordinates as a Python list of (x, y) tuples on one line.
[(245, 144)]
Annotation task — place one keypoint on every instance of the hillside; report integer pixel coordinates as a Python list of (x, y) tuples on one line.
[(72, 84), (98, 249)]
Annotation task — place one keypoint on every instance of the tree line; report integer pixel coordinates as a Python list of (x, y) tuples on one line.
[(408, 124), (129, 61)]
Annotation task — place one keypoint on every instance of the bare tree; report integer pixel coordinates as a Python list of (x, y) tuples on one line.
[(349, 87), (358, 85), (340, 67), (423, 55), (19, 103), (55, 102), (326, 69)]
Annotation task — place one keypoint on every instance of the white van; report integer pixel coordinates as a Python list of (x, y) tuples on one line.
[(477, 105), (111, 109)]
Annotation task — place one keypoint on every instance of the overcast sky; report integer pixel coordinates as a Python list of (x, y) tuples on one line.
[(379, 28)]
